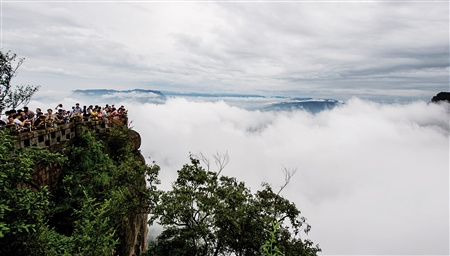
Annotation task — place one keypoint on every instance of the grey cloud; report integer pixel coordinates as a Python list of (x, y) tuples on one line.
[(304, 47)]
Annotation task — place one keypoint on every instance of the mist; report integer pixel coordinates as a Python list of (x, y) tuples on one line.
[(371, 178)]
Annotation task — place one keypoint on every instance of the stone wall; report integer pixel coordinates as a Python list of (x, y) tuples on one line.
[(53, 136)]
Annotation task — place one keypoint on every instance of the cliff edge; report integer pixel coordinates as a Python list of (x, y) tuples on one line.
[(90, 190)]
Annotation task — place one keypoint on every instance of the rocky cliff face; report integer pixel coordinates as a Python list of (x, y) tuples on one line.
[(134, 240), (137, 230)]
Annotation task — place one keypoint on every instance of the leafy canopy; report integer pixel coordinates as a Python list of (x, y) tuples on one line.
[(23, 205), (209, 214), (88, 212)]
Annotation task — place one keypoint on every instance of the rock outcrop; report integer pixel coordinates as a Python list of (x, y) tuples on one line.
[(137, 230), (442, 96), (134, 241)]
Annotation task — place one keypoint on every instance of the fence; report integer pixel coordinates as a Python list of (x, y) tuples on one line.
[(52, 136)]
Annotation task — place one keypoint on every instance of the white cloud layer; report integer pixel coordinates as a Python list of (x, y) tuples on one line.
[(372, 178)]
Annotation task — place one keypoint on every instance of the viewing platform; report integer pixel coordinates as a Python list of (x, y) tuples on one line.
[(52, 136)]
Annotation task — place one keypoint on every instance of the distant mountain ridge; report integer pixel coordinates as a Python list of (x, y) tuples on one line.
[(247, 101), (111, 91), (140, 95), (312, 106)]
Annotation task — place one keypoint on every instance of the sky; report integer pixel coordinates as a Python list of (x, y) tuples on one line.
[(380, 50), (372, 178)]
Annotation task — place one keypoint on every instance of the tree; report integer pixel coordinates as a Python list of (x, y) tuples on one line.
[(12, 97), (99, 191), (208, 214), (104, 185), (24, 207)]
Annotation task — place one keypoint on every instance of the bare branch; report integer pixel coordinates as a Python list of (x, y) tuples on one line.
[(288, 173), (21, 95), (221, 161), (200, 156), (8, 70)]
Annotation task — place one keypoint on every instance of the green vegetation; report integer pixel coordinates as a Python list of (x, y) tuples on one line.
[(23, 207), (88, 213), (269, 248), (209, 214)]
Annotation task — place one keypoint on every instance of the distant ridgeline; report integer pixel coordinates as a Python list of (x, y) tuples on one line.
[(247, 101), (308, 104), (107, 95)]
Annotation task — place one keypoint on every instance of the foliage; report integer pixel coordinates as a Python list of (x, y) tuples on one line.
[(89, 210), (23, 208), (208, 214), (117, 183), (93, 234), (12, 97), (269, 248)]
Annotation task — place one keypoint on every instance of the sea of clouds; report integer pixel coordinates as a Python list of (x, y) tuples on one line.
[(371, 178)]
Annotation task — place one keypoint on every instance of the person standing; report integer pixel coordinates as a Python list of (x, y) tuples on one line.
[(39, 123), (21, 124), (60, 106), (5, 118), (77, 113), (77, 110), (29, 114)]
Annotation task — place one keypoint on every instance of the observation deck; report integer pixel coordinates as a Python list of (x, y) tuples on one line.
[(53, 136)]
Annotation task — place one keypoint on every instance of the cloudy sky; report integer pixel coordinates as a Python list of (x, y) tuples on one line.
[(372, 179), (333, 49)]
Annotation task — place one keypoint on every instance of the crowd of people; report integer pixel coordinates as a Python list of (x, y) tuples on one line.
[(27, 120)]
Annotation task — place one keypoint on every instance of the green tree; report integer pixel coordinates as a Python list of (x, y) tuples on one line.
[(24, 207), (116, 183), (208, 214), (12, 97), (93, 235), (89, 212)]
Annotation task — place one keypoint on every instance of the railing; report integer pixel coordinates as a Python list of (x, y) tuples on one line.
[(52, 136)]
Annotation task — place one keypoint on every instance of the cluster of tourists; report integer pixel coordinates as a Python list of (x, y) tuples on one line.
[(28, 120)]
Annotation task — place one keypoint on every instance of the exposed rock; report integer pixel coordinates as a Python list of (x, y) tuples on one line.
[(442, 96), (46, 175), (135, 233), (135, 138)]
